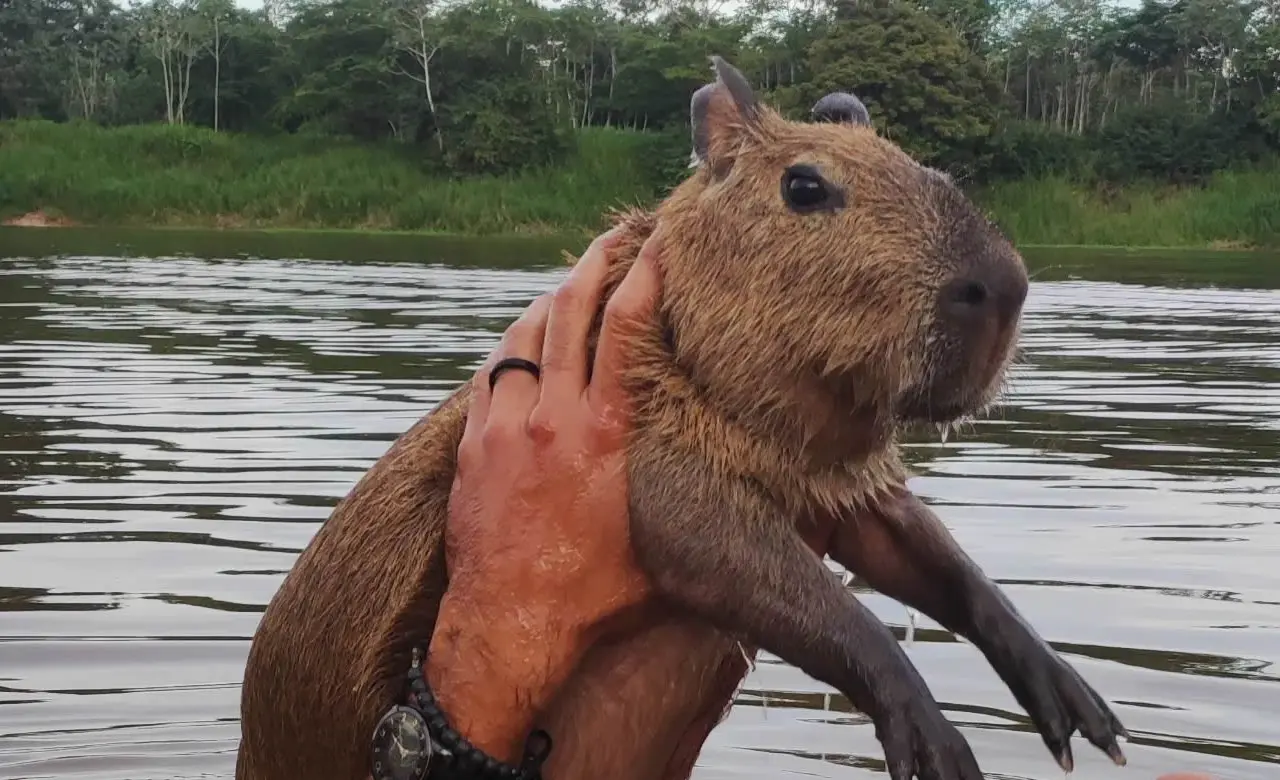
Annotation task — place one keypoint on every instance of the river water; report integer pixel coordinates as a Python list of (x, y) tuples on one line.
[(174, 428)]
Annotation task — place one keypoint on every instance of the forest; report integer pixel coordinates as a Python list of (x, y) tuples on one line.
[(1092, 93)]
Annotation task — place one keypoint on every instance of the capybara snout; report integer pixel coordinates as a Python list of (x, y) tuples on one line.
[(982, 286)]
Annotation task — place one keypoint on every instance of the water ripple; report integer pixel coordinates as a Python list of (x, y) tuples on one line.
[(175, 429)]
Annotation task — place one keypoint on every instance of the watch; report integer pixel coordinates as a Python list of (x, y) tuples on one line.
[(413, 741), (403, 748)]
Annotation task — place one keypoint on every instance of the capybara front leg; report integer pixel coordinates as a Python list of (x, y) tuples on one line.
[(902, 549), (713, 544)]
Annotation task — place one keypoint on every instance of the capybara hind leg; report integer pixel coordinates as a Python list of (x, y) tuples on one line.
[(639, 708), (732, 671)]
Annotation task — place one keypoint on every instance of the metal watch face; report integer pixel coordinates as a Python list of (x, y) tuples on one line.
[(402, 747)]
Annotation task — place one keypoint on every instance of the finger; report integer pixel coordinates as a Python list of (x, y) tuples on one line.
[(1035, 691), (1051, 721), (899, 756), (1055, 730), (1056, 735), (477, 415), (1096, 720), (969, 769), (477, 405), (630, 306), (1114, 723), (515, 391), (564, 352), (902, 765)]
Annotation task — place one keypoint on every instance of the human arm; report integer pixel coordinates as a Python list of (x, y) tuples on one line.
[(537, 543)]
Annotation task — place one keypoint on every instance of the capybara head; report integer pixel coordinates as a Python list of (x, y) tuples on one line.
[(816, 271)]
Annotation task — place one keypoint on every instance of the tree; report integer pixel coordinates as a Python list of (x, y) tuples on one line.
[(213, 15), (415, 33), (922, 84), (174, 35), (94, 57), (990, 87)]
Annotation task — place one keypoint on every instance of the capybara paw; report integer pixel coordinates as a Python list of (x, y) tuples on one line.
[(1060, 702), (919, 742)]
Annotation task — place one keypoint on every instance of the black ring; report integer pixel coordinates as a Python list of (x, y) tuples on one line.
[(513, 362)]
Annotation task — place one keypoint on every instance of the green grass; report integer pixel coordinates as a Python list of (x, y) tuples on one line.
[(160, 175), (1234, 209), (155, 175)]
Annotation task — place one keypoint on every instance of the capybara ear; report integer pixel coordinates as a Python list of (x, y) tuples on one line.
[(841, 107), (722, 114)]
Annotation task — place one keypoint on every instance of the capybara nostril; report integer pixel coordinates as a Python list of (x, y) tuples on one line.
[(968, 293), (996, 288)]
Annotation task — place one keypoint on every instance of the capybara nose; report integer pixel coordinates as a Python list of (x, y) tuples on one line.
[(990, 289)]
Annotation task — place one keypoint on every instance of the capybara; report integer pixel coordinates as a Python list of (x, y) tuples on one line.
[(821, 291)]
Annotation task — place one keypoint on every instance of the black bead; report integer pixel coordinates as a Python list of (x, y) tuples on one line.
[(467, 763)]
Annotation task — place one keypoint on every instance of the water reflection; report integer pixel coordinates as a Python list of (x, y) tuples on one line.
[(174, 429)]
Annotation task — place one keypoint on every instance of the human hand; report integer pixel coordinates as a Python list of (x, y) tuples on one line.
[(537, 544), (538, 513)]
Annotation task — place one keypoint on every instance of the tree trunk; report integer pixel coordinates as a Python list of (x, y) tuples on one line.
[(217, 69)]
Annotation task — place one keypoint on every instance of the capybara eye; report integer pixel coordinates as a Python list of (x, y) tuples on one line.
[(804, 190)]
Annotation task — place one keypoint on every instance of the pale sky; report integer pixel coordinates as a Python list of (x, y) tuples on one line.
[(725, 3), (254, 4)]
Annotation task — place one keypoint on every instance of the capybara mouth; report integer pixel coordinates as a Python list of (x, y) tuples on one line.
[(966, 375)]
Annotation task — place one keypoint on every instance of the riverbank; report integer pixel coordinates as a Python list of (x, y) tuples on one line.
[(191, 177)]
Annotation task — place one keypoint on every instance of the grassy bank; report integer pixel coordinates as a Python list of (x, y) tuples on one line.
[(157, 175), (1234, 209)]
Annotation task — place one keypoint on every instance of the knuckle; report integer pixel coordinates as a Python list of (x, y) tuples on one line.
[(516, 331), (467, 463), (497, 436), (567, 297), (610, 426), (543, 426), (618, 312), (465, 460)]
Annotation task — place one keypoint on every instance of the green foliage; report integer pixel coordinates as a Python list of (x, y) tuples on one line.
[(923, 86), (1165, 141), (155, 174), (190, 175), (1240, 207), (1027, 150), (667, 156), (490, 94), (501, 127)]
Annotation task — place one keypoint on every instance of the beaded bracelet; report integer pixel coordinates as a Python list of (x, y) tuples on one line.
[(470, 761)]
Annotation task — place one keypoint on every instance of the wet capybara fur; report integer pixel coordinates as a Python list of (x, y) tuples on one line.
[(821, 290)]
